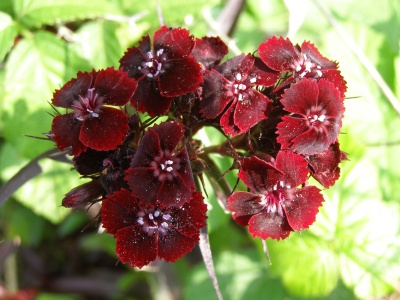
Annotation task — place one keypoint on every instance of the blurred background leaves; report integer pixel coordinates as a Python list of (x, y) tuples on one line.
[(351, 251)]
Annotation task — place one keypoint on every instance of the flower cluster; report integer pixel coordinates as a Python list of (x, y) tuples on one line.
[(132, 131)]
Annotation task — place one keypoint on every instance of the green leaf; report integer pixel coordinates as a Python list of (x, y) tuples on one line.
[(34, 13), (98, 43), (312, 257), (240, 274), (8, 32), (44, 193)]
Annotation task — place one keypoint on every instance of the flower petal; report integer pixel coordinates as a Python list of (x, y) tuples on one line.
[(135, 247), (214, 97), (115, 86), (209, 51), (176, 42), (301, 96), (105, 132), (133, 58), (244, 205), (269, 225), (66, 129), (293, 167), (180, 77), (169, 134), (259, 175), (251, 110), (301, 206), (143, 183), (119, 210), (277, 53), (65, 96), (312, 52), (147, 98)]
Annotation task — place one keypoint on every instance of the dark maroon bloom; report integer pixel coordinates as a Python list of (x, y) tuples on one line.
[(275, 205), (92, 123), (163, 71), (325, 165), (159, 171), (301, 61), (145, 232), (316, 116), (228, 90), (209, 51)]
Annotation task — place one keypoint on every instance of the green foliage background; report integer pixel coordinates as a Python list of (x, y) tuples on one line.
[(353, 249)]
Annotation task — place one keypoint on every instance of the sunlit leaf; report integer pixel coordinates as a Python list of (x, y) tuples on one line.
[(33, 13), (98, 43), (8, 32)]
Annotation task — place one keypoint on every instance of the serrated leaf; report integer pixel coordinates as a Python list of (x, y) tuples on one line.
[(34, 13), (44, 193), (98, 43), (307, 265), (241, 276), (8, 32)]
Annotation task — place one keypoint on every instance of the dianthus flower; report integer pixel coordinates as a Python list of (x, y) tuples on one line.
[(163, 72), (145, 232), (159, 171), (275, 205), (303, 61), (316, 116), (228, 91), (92, 123)]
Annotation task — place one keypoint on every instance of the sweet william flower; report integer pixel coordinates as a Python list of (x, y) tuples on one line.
[(276, 204), (92, 123), (316, 110), (163, 71), (159, 170), (228, 92), (303, 61), (145, 232)]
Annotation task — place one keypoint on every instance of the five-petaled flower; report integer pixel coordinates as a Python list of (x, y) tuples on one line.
[(92, 123), (275, 205), (228, 91), (159, 171), (163, 72), (316, 116), (145, 231), (303, 61)]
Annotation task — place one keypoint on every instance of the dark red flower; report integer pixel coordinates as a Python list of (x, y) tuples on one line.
[(325, 165), (316, 116), (159, 171), (275, 205), (209, 51), (163, 71), (92, 123), (145, 232), (301, 61), (228, 90)]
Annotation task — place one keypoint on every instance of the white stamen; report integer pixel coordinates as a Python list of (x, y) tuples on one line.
[(169, 169), (149, 54), (240, 97), (242, 87), (253, 80), (319, 73), (149, 64), (151, 216), (150, 75), (95, 115), (166, 217), (156, 213), (162, 166), (160, 51), (140, 220), (321, 118), (164, 224), (238, 76)]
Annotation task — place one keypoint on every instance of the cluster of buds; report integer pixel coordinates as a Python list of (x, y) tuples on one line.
[(132, 132)]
